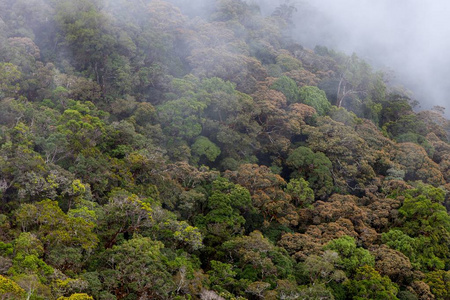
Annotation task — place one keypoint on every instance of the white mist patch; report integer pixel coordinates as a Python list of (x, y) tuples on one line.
[(407, 36)]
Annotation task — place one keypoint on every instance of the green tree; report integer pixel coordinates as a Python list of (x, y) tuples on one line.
[(9, 79), (285, 12), (31, 265), (10, 290), (405, 124), (54, 228), (204, 147), (439, 282), (87, 33), (28, 244), (315, 167), (317, 291), (288, 87), (302, 195), (351, 257), (315, 97), (287, 62), (427, 222), (182, 117), (424, 234), (125, 213), (83, 131), (323, 269), (355, 79), (395, 107), (258, 259), (353, 159), (137, 268), (221, 275)]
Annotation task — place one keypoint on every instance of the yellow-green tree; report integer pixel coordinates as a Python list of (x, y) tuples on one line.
[(10, 290)]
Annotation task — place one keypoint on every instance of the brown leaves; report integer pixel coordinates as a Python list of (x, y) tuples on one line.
[(254, 177), (339, 206), (339, 216), (300, 246), (417, 164), (373, 136), (383, 212), (298, 114)]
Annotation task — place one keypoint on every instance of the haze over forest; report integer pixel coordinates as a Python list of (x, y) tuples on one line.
[(223, 150)]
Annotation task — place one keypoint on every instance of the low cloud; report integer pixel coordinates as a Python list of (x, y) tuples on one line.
[(409, 37)]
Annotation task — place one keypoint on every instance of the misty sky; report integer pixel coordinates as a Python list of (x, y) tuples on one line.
[(411, 37)]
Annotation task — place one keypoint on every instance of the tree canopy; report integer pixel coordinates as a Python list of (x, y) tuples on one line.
[(150, 151)]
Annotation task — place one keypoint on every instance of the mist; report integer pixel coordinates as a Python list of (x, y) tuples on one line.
[(405, 38), (408, 37)]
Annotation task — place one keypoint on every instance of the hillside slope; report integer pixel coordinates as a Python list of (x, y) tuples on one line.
[(146, 154)]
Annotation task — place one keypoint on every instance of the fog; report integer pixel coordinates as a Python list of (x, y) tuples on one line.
[(406, 38), (409, 37)]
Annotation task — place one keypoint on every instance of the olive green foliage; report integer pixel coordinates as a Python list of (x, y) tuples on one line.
[(420, 238), (405, 124), (257, 259), (183, 115), (439, 282), (148, 152), (79, 296), (288, 87), (318, 291), (138, 254), (9, 289), (315, 167), (288, 63), (422, 217), (313, 96), (372, 110), (226, 205), (351, 257), (369, 284), (9, 78), (203, 146), (417, 139), (301, 193)]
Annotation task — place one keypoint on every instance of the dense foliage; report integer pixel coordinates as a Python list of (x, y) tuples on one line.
[(147, 153)]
